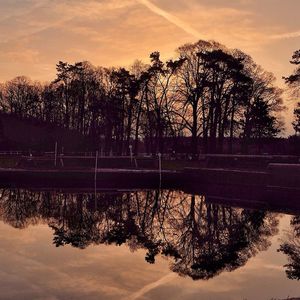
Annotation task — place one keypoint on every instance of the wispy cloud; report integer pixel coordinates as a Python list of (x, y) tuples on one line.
[(14, 12)]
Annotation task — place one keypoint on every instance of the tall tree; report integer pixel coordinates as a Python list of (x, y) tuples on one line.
[(296, 122), (261, 107), (293, 81), (22, 97)]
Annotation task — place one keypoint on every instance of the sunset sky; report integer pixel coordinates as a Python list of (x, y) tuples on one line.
[(36, 34)]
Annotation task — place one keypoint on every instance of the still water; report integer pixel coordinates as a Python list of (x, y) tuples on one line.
[(143, 245)]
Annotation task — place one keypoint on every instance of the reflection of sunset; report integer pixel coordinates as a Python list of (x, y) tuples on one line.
[(246, 241), (35, 35)]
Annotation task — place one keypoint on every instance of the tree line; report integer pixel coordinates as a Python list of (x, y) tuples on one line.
[(208, 93)]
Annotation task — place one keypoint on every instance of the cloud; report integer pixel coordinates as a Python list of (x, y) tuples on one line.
[(26, 56), (9, 10)]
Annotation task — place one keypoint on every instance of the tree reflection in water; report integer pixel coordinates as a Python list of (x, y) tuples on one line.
[(203, 239), (291, 247)]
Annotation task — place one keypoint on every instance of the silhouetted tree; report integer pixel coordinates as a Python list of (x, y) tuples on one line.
[(21, 97), (261, 107), (291, 247), (293, 81), (208, 92), (296, 122)]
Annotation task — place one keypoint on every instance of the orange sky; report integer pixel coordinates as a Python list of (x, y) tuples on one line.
[(36, 34)]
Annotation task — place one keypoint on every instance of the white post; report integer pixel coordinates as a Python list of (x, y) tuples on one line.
[(96, 167), (131, 155), (55, 154), (159, 168), (95, 178)]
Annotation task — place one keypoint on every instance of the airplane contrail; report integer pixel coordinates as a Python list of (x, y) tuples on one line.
[(288, 35), (151, 286), (190, 30), (172, 19)]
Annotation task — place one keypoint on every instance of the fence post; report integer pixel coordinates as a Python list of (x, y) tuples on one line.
[(95, 179), (55, 154), (95, 175), (131, 155), (159, 169)]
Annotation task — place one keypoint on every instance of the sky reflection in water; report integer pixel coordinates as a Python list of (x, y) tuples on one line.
[(169, 234)]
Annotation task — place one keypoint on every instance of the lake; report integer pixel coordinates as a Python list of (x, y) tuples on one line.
[(151, 244)]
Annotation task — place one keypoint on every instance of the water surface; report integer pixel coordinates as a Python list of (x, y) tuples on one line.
[(143, 245)]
